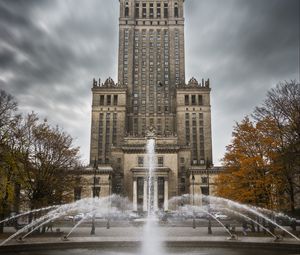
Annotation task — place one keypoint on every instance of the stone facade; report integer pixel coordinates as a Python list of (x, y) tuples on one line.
[(151, 93), (92, 182)]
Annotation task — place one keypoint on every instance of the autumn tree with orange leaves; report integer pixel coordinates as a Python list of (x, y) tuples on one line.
[(258, 166)]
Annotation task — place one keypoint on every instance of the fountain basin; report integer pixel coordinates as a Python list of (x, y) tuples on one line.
[(116, 245)]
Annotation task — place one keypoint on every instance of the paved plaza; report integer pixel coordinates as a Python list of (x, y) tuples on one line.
[(133, 231)]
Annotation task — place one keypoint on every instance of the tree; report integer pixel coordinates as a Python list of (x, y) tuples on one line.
[(262, 162), (8, 108), (8, 120), (282, 104), (35, 158), (46, 155), (251, 172)]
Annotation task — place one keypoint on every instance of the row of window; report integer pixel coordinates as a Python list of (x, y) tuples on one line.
[(193, 100), (156, 38), (108, 100), (106, 138), (78, 191), (125, 62), (142, 161), (139, 125), (152, 23), (198, 152), (144, 11), (176, 57)]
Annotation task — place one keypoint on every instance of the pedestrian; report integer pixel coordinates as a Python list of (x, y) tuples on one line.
[(245, 228), (50, 226), (233, 230)]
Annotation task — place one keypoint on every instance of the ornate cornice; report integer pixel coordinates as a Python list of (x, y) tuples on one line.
[(108, 84), (142, 149), (194, 84), (146, 169), (199, 170)]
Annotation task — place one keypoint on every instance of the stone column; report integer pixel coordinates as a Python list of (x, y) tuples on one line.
[(134, 199), (155, 202), (145, 196), (166, 195)]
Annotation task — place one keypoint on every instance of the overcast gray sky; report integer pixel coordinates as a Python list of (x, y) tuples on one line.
[(50, 50)]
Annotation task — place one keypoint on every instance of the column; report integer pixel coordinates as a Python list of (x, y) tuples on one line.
[(166, 195), (155, 204), (145, 196), (134, 200)]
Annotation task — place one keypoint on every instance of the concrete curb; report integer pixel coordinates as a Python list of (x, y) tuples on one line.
[(76, 244)]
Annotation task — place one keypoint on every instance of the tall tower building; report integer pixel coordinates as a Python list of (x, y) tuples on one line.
[(151, 62), (151, 93)]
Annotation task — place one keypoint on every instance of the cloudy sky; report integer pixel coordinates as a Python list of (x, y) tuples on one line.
[(50, 50)]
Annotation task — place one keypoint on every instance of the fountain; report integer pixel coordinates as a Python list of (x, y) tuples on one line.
[(151, 235), (154, 237)]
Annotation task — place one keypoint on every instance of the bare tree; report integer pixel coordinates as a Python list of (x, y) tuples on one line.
[(8, 108), (282, 104), (8, 120)]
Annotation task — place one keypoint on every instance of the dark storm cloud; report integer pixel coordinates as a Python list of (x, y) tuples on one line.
[(49, 53), (50, 50), (245, 47)]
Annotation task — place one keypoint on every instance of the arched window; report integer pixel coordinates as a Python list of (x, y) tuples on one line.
[(176, 14), (126, 9)]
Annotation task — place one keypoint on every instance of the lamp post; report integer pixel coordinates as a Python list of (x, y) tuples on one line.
[(193, 183), (94, 195), (209, 231), (109, 193)]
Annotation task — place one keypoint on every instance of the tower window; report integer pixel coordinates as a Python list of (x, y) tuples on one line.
[(108, 100), (166, 10), (186, 100), (140, 161), (176, 10), (158, 13), (144, 11), (204, 179), (160, 161), (200, 100), (126, 9), (151, 14), (137, 10), (101, 99), (193, 99), (115, 99), (96, 180)]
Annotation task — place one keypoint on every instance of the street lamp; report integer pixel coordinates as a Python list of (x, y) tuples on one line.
[(94, 195), (109, 193), (193, 183), (209, 231)]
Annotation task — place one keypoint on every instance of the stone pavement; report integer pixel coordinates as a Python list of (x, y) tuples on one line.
[(135, 234), (130, 236)]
